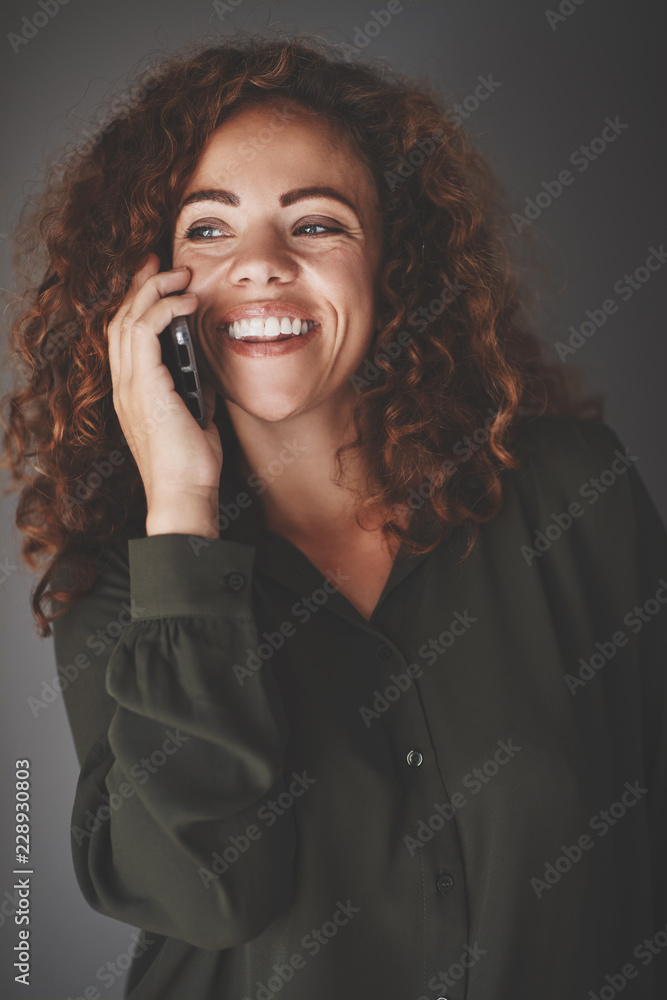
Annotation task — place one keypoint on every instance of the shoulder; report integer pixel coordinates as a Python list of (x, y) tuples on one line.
[(571, 460), (567, 444), (577, 478)]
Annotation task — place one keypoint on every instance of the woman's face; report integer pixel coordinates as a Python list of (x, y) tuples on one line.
[(280, 219)]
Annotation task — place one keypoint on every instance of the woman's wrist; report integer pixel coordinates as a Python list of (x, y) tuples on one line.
[(184, 514)]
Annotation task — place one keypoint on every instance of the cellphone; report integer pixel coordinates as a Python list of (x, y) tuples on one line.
[(178, 354)]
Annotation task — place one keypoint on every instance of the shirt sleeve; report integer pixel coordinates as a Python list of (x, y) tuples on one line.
[(643, 532), (627, 522), (177, 747), (651, 611)]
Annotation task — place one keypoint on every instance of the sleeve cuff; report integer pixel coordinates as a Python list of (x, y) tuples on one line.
[(188, 575)]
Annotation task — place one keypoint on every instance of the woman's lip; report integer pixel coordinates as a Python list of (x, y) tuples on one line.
[(266, 309), (268, 348)]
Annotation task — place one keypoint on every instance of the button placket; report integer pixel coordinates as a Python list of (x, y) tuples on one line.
[(404, 719), (424, 790)]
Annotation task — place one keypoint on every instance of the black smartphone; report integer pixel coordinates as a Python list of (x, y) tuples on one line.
[(178, 354)]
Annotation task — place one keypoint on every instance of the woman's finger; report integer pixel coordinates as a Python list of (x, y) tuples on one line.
[(150, 266), (153, 289), (156, 286), (140, 341), (114, 324)]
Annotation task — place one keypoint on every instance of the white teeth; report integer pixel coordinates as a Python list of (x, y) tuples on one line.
[(256, 328)]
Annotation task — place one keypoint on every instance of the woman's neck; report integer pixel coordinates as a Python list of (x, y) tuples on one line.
[(293, 461)]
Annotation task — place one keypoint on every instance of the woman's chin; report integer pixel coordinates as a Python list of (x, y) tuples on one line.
[(256, 405)]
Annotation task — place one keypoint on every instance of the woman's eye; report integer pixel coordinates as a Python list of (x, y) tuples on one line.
[(208, 231), (200, 232), (318, 225)]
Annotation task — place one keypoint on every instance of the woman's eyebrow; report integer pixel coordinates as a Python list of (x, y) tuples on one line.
[(289, 198)]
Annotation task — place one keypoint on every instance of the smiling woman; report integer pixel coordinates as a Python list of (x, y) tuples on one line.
[(330, 659), (302, 224)]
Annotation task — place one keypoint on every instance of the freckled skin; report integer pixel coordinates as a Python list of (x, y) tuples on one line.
[(256, 251), (323, 255)]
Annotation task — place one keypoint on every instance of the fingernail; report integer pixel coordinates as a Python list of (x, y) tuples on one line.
[(181, 268)]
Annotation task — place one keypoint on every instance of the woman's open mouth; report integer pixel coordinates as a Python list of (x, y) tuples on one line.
[(272, 336), (271, 329)]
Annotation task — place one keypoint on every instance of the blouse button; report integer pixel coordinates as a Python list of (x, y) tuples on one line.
[(234, 581), (445, 883), (384, 652), (414, 758)]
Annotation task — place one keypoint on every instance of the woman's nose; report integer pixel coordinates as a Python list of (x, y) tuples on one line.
[(261, 258)]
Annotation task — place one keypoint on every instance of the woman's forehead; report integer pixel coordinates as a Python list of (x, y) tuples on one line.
[(273, 120), (267, 134)]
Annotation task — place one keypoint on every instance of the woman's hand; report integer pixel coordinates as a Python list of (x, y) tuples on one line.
[(179, 462)]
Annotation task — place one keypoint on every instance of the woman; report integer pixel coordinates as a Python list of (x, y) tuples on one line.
[(364, 677)]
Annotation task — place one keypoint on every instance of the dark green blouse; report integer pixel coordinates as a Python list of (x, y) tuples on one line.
[(463, 797)]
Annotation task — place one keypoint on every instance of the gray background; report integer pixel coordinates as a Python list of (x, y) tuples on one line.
[(557, 87)]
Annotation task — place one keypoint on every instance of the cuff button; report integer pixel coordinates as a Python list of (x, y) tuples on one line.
[(234, 581)]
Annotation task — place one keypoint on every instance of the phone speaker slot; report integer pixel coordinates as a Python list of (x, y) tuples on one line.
[(189, 381), (184, 356), (192, 404)]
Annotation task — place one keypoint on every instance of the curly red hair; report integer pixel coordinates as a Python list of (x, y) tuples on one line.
[(468, 362)]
